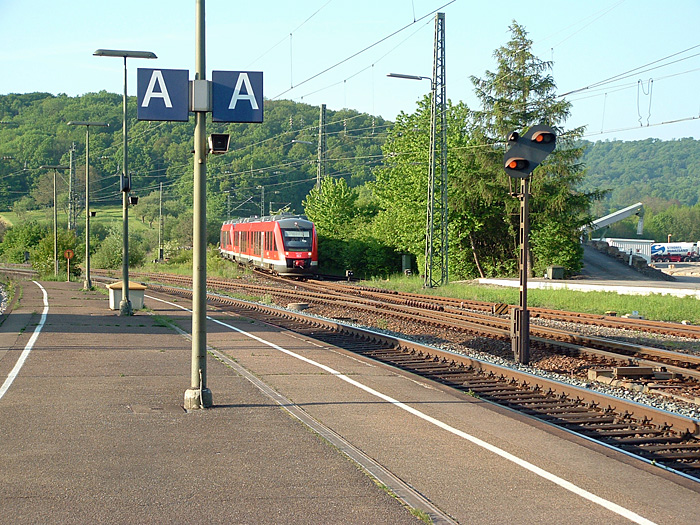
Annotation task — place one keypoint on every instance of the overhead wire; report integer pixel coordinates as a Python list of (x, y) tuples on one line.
[(371, 65), (362, 50), (291, 32), (635, 71)]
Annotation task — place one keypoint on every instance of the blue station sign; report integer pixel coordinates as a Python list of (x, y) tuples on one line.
[(163, 94), (237, 96)]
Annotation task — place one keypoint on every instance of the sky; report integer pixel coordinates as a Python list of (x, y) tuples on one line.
[(630, 68)]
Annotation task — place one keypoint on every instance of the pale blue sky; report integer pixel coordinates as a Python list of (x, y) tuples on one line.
[(48, 45)]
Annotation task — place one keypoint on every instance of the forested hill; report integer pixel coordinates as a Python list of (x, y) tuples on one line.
[(276, 158), (278, 155), (650, 171)]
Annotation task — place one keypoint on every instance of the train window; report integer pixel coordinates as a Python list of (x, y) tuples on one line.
[(257, 239), (296, 239)]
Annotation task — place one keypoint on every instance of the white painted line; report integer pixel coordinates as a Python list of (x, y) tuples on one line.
[(28, 348), (617, 509)]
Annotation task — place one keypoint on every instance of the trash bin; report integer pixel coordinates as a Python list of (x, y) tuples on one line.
[(555, 272), (136, 292)]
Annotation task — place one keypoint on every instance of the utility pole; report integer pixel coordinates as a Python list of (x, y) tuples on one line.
[(55, 216), (160, 224), (71, 191), (262, 201), (321, 163), (198, 395), (436, 214)]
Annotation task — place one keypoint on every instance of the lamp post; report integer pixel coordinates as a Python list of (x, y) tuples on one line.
[(428, 276), (87, 285), (55, 217), (125, 304)]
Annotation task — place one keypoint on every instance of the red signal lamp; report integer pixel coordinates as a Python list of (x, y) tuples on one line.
[(543, 137), (518, 164)]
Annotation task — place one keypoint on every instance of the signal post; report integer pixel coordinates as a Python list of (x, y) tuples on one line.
[(524, 155)]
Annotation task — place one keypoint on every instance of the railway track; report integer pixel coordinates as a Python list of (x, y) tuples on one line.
[(603, 352), (610, 321), (620, 356)]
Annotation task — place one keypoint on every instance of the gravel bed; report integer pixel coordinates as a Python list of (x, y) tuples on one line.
[(684, 345)]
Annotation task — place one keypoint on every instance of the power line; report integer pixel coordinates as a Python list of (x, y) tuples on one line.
[(628, 73), (290, 33), (363, 50)]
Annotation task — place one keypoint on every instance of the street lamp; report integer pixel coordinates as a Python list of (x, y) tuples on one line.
[(125, 304), (428, 276), (409, 77), (55, 227), (87, 285)]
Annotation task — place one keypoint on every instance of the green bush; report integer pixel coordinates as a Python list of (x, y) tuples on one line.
[(109, 254), (20, 239), (42, 256)]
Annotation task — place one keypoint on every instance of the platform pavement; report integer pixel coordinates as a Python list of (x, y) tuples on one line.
[(92, 431)]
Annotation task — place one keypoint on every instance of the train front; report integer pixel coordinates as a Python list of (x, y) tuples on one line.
[(300, 246)]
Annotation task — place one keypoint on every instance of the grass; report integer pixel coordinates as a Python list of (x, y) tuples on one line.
[(107, 216), (655, 306)]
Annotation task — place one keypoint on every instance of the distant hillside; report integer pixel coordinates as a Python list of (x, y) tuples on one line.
[(650, 171), (274, 162)]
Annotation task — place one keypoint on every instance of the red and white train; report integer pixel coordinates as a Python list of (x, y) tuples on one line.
[(284, 244)]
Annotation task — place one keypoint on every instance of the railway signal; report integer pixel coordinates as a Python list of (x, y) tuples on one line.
[(525, 153), (528, 151)]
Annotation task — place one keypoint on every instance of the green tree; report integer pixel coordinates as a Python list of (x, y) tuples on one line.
[(519, 94), (331, 207), (21, 239), (109, 254), (42, 256)]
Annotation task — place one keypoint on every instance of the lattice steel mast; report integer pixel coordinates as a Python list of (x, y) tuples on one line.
[(436, 245)]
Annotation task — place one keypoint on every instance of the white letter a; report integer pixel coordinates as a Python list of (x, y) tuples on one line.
[(157, 76), (243, 78)]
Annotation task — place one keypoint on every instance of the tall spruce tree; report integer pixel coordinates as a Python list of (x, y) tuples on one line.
[(520, 93)]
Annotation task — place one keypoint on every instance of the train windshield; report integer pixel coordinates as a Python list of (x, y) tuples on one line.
[(296, 239)]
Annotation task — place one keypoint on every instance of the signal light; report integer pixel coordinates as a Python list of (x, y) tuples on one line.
[(517, 164), (527, 151), (543, 137)]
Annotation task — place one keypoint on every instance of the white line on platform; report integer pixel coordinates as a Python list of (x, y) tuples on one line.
[(626, 513), (27, 349)]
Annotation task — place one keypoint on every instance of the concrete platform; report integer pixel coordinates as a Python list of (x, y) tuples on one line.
[(92, 430)]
